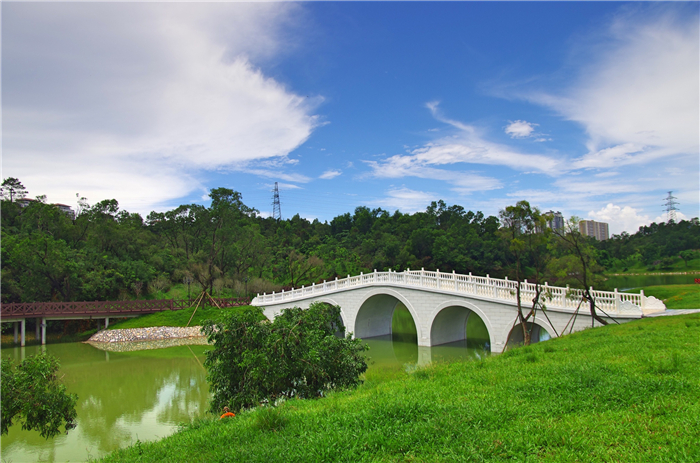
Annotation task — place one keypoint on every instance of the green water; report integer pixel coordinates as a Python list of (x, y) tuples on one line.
[(144, 395), (122, 397), (637, 281)]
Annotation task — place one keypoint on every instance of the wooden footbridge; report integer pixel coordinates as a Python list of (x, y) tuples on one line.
[(18, 313)]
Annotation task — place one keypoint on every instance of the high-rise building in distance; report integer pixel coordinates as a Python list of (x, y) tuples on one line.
[(557, 222), (598, 230)]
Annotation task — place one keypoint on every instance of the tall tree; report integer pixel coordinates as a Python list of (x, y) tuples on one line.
[(578, 262), (12, 189)]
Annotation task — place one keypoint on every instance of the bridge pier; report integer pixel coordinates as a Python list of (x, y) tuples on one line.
[(37, 328), (106, 322), (22, 328), (43, 331), (16, 327)]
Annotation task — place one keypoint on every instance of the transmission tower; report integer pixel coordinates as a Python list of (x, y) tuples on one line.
[(276, 209), (671, 208)]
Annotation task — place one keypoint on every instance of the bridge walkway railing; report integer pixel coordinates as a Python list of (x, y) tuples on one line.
[(484, 287)]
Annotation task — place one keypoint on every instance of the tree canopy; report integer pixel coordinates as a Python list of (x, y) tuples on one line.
[(33, 396), (107, 253), (301, 353)]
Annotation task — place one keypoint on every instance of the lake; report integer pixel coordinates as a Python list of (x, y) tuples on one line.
[(144, 395), (624, 282)]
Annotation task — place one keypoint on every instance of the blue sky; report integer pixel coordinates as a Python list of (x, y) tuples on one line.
[(591, 109)]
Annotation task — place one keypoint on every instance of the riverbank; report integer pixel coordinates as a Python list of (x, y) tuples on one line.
[(631, 273), (616, 393), (156, 333)]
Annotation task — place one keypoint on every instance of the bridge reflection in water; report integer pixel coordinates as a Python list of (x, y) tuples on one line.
[(400, 348)]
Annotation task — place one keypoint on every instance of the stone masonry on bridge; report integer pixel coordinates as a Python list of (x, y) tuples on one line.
[(440, 304)]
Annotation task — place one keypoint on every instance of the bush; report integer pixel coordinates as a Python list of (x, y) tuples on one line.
[(32, 392), (302, 353)]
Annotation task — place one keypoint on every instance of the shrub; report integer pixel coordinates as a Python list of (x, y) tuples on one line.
[(32, 393), (302, 353)]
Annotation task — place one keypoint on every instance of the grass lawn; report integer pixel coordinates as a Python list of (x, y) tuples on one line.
[(174, 318), (620, 393), (674, 296)]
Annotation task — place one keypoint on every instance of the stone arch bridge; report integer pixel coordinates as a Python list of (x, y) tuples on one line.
[(441, 304)]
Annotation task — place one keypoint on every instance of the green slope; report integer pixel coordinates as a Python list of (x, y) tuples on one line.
[(617, 393)]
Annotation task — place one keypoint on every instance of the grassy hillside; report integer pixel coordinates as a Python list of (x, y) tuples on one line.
[(674, 296), (617, 393), (174, 318)]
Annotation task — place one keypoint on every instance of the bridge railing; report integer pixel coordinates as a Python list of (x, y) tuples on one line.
[(486, 287), (94, 308)]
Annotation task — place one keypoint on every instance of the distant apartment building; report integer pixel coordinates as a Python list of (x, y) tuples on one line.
[(66, 209), (557, 222), (598, 230)]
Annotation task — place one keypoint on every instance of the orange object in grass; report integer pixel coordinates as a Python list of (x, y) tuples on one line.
[(226, 414)]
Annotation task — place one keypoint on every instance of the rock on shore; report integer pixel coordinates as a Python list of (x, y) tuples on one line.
[(147, 334)]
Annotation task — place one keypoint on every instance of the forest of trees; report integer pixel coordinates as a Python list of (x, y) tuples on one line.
[(106, 253)]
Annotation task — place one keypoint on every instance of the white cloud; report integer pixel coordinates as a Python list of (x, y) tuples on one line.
[(408, 166), (406, 200), (466, 146), (619, 218), (520, 129), (287, 186), (329, 174), (638, 98), (626, 218), (664, 217), (134, 100)]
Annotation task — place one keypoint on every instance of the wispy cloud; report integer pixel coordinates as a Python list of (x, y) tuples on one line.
[(466, 146), (638, 99), (406, 200), (330, 174)]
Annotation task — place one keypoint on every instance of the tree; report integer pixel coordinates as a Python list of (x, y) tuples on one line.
[(688, 255), (302, 353), (579, 264), (525, 230), (33, 395), (12, 188)]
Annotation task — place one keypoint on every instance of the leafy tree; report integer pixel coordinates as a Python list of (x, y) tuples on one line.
[(577, 263), (525, 231), (301, 353), (33, 395), (688, 255), (12, 189)]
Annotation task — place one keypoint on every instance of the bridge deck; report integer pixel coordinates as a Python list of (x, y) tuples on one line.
[(495, 289)]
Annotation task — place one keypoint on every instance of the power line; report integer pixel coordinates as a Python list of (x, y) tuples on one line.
[(670, 206)]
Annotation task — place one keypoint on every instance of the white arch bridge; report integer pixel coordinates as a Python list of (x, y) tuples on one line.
[(442, 303)]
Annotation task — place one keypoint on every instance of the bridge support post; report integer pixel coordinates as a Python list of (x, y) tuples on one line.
[(106, 322), (22, 327), (16, 326), (37, 329), (43, 331)]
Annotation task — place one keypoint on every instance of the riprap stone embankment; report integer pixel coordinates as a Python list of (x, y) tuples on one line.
[(147, 334)]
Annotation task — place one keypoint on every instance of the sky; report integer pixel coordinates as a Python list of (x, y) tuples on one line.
[(588, 108)]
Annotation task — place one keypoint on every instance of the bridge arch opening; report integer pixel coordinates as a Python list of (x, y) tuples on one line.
[(457, 323), (538, 333), (385, 315)]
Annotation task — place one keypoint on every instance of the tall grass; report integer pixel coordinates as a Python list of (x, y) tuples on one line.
[(617, 393)]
